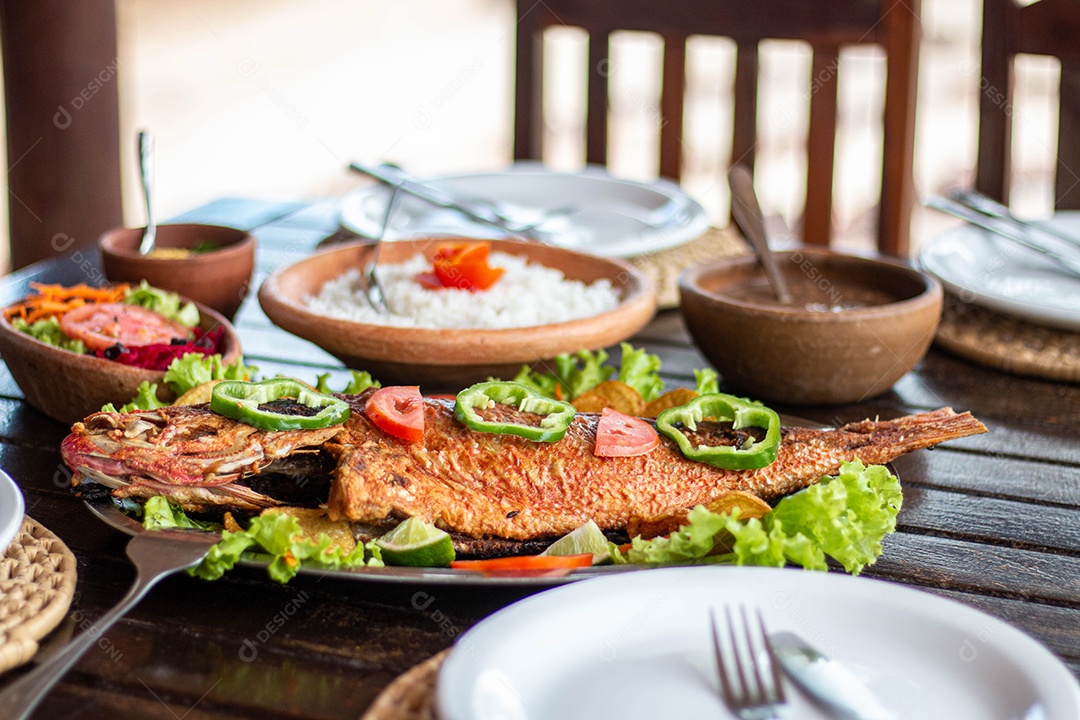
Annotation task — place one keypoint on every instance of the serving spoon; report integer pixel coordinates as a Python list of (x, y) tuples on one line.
[(146, 173), (156, 555), (747, 212)]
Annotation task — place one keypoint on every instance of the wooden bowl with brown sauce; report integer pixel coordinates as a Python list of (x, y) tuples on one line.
[(856, 325)]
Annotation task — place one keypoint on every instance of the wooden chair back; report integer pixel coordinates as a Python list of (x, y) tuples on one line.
[(1048, 27), (826, 26)]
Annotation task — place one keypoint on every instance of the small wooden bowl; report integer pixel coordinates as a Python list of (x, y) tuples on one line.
[(218, 279), (450, 359), (796, 356), (68, 386)]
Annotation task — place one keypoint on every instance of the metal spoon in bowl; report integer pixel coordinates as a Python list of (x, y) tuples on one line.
[(747, 212), (146, 172)]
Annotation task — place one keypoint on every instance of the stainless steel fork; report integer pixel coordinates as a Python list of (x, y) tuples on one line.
[(750, 681)]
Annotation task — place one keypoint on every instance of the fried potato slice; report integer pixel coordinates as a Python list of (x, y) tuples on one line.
[(314, 521), (613, 394), (673, 398), (197, 394), (748, 505)]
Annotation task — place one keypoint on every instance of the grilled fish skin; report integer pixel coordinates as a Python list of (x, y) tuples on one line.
[(486, 485)]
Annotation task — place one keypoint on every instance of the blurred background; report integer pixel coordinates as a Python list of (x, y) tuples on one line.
[(271, 99)]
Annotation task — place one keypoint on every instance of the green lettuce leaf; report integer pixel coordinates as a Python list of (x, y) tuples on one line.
[(194, 369), (706, 381), (277, 538), (160, 514), (845, 517), (582, 371), (47, 330), (543, 383), (641, 371), (360, 382), (163, 302), (145, 399)]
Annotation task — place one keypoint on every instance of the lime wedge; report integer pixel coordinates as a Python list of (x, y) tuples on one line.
[(586, 539), (416, 543)]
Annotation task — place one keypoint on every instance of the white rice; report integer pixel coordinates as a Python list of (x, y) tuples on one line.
[(526, 295)]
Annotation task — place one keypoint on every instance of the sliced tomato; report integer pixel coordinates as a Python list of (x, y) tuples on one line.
[(465, 266), (462, 252), (619, 435), (102, 325), (468, 276), (526, 564), (398, 411)]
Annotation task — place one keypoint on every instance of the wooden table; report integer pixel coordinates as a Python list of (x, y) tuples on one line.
[(992, 521)]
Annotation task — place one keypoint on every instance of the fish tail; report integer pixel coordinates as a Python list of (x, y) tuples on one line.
[(889, 439)]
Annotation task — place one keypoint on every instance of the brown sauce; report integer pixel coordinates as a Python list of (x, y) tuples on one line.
[(814, 295)]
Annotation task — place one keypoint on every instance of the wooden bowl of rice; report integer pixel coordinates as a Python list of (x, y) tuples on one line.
[(549, 301)]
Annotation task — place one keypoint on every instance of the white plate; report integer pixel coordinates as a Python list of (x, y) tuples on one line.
[(985, 269), (11, 510), (638, 646), (612, 217)]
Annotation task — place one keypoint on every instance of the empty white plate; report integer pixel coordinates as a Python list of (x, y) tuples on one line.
[(11, 510), (637, 645), (982, 268), (599, 214)]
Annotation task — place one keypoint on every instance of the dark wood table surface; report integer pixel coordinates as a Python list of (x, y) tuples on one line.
[(991, 521)]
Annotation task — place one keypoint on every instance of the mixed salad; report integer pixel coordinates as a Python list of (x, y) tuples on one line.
[(140, 325)]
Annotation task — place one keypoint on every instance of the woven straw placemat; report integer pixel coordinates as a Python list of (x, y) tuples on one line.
[(411, 696), (37, 582), (664, 266), (1009, 344)]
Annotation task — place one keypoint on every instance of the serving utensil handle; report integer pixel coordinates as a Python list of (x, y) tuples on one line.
[(146, 174), (154, 560)]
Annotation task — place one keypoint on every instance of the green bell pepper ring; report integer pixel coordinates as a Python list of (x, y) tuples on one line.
[(557, 415), (750, 455), (277, 404)]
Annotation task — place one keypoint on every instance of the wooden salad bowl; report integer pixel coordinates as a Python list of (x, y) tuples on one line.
[(446, 360), (68, 386)]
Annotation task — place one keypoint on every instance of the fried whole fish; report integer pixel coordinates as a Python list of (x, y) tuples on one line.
[(482, 484), (473, 484)]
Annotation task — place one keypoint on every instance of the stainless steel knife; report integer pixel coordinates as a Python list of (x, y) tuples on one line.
[(827, 681)]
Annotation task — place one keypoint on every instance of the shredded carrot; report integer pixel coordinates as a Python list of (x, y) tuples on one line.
[(56, 300)]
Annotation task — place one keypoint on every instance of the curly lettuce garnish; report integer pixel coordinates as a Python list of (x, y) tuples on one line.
[(275, 537), (145, 399), (845, 517), (47, 330), (193, 370), (360, 382), (163, 302), (706, 381), (641, 371)]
